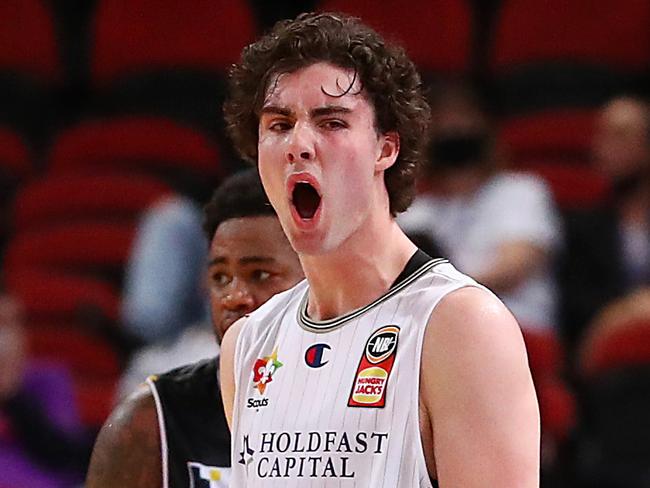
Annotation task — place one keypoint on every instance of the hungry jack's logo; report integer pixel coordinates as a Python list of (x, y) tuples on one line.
[(264, 369), (369, 387)]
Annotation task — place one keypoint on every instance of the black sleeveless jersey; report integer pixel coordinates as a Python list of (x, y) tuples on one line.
[(194, 435)]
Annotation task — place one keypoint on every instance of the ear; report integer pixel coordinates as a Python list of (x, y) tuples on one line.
[(389, 150)]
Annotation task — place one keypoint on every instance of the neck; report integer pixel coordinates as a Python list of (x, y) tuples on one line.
[(361, 270)]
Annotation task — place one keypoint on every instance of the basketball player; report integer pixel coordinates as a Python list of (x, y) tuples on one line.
[(172, 432), (385, 368)]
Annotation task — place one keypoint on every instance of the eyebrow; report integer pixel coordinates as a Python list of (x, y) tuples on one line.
[(329, 110), (243, 260), (314, 113), (274, 109)]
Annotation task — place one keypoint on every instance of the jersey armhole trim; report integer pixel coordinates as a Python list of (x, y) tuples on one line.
[(164, 452)]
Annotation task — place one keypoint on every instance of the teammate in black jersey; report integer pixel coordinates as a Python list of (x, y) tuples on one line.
[(172, 432)]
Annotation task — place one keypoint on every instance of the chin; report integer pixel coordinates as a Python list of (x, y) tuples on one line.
[(314, 243)]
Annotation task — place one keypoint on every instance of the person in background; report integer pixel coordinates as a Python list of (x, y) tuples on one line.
[(180, 413), (162, 295), (500, 227), (607, 259), (42, 444)]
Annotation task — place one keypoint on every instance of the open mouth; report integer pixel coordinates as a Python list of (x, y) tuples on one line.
[(305, 199)]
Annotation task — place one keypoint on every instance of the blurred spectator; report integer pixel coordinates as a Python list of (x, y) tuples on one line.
[(162, 291), (608, 247), (194, 343), (612, 445), (501, 228), (41, 443)]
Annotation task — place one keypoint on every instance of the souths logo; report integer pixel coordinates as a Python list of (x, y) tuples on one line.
[(314, 356), (202, 476), (369, 387), (264, 369)]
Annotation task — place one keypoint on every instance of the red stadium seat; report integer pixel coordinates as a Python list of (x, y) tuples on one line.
[(547, 364), (573, 185), (545, 352), (15, 158), (437, 34), (76, 197), (88, 248), (86, 354), (609, 32), (615, 346), (144, 35), (135, 144), (96, 399), (556, 145), (62, 297), (15, 168), (28, 44), (563, 133), (559, 53)]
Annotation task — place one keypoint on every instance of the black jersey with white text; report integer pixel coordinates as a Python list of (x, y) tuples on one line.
[(195, 440)]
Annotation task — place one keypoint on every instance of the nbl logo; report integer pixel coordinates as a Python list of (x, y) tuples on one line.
[(382, 344)]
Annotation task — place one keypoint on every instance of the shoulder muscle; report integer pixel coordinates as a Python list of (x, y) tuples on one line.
[(227, 367), (127, 451), (478, 392)]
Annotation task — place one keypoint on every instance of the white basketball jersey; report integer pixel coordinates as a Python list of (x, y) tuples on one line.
[(335, 402)]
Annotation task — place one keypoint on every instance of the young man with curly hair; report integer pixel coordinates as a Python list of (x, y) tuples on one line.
[(385, 368)]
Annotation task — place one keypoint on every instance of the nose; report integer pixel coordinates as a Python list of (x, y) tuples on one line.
[(301, 144), (238, 298)]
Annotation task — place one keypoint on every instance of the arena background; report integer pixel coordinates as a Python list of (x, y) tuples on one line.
[(106, 106)]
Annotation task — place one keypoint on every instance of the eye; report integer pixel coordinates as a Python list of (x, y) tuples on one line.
[(334, 124), (260, 275), (279, 126), (221, 279)]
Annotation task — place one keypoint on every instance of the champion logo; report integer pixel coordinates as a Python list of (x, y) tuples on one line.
[(314, 355)]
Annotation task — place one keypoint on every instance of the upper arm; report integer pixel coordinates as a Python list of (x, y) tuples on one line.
[(478, 392), (127, 451), (227, 368)]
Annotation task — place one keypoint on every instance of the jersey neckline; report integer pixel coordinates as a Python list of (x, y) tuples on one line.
[(327, 325)]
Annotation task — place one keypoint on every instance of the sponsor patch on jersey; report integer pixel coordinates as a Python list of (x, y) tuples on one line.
[(264, 370), (203, 476), (315, 355), (371, 379)]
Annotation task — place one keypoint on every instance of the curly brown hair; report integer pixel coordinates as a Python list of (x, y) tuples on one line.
[(388, 78)]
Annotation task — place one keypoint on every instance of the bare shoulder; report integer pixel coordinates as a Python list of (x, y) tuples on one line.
[(229, 341), (227, 366), (471, 317), (472, 331), (478, 393), (127, 451)]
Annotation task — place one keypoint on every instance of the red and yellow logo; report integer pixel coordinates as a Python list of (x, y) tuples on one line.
[(264, 369), (369, 387)]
